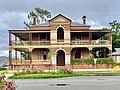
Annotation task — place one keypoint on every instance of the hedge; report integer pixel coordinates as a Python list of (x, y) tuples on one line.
[(91, 61)]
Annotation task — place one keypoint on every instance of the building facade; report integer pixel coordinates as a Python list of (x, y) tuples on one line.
[(55, 43)]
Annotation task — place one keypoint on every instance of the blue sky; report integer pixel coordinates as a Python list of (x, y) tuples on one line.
[(13, 13)]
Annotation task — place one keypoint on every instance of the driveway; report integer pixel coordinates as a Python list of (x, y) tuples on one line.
[(71, 83)]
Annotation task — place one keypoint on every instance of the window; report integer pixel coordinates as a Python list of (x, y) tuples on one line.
[(44, 55), (60, 34)]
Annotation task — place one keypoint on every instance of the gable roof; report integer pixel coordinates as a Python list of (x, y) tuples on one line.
[(58, 16)]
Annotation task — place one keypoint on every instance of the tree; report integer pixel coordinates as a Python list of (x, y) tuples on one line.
[(41, 16), (115, 26)]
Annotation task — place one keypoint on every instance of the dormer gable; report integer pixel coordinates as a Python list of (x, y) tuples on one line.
[(60, 19)]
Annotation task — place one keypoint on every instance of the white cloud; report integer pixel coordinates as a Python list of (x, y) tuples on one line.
[(96, 25), (4, 53), (9, 20), (12, 19)]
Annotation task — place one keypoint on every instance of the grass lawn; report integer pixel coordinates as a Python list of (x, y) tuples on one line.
[(4, 71), (43, 75), (60, 75)]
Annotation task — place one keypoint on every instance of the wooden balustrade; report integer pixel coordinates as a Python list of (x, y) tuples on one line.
[(80, 42), (100, 42), (73, 42), (87, 42), (18, 62), (26, 43), (40, 61)]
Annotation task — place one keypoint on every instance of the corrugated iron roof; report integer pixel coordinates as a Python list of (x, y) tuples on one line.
[(72, 24)]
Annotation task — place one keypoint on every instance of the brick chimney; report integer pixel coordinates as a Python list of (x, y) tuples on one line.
[(34, 19), (84, 19)]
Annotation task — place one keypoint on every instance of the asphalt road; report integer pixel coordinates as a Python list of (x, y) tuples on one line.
[(72, 83)]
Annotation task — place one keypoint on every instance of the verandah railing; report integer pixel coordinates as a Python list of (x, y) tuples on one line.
[(92, 42), (18, 62), (26, 43), (73, 42)]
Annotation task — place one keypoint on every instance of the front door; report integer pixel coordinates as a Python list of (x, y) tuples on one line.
[(60, 58)]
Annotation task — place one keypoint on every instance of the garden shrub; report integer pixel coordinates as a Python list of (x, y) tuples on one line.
[(7, 85), (82, 61), (65, 71), (105, 61), (28, 71), (34, 71)]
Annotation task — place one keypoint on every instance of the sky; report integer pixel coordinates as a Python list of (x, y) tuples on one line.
[(14, 12)]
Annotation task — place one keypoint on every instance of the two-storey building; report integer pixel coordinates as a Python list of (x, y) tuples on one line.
[(55, 43)]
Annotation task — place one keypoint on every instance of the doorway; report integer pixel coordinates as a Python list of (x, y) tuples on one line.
[(60, 58)]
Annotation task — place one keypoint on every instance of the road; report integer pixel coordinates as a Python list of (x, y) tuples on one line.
[(71, 83)]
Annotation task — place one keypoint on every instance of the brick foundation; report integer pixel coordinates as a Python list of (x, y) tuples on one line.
[(52, 67), (82, 66)]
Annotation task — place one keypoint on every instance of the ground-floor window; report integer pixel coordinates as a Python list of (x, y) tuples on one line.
[(44, 55)]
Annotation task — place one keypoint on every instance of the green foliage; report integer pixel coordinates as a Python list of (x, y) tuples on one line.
[(43, 14), (105, 37), (82, 61), (115, 33), (91, 61), (44, 75), (25, 55), (105, 61)]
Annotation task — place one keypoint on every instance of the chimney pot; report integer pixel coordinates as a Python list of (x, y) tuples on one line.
[(84, 19)]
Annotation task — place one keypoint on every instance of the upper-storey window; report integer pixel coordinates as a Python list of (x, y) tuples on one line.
[(60, 34)]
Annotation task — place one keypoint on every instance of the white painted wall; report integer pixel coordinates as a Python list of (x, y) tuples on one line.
[(53, 58), (116, 59), (67, 59)]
